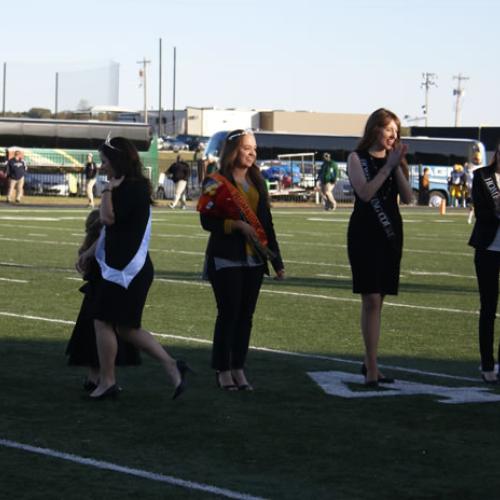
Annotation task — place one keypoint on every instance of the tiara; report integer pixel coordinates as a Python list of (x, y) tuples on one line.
[(239, 134), (107, 143)]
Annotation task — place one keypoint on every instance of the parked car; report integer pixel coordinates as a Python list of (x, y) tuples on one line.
[(173, 144), (193, 141)]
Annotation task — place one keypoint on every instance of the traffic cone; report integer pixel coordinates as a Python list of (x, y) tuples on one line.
[(442, 207)]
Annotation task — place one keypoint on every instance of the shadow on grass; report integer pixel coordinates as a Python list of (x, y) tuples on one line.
[(259, 443)]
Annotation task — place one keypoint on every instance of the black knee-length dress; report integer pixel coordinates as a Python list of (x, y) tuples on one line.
[(375, 252), (123, 240)]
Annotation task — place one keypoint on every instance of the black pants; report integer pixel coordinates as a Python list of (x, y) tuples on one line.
[(487, 270), (236, 291)]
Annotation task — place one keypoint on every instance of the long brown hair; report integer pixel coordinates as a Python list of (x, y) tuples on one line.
[(228, 158), (376, 122)]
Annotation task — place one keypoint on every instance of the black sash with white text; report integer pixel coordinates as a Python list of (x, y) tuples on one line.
[(493, 191), (376, 204)]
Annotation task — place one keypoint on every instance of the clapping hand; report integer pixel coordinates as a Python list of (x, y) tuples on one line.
[(396, 155)]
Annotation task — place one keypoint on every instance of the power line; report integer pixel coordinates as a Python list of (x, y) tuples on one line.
[(427, 83)]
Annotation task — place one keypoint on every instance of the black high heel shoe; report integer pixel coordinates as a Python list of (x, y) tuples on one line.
[(381, 380), (89, 386), (183, 370), (110, 393), (229, 387)]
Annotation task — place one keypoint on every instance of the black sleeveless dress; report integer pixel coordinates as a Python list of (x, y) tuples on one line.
[(113, 303), (375, 252)]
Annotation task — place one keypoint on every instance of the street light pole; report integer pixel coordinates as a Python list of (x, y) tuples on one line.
[(173, 93), (159, 94), (144, 63), (56, 104), (459, 92), (4, 87)]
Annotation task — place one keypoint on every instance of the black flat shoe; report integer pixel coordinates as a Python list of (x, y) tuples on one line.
[(228, 387), (183, 370), (372, 384), (381, 380), (110, 393)]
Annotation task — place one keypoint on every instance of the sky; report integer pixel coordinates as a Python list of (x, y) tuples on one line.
[(345, 56)]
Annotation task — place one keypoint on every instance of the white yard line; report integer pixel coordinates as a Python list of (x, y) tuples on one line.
[(144, 474), (262, 349)]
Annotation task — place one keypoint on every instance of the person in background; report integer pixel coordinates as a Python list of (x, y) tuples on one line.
[(16, 170), (485, 238), (468, 176), (82, 348), (179, 172), (199, 159), (126, 268), (423, 187), (378, 174), (211, 164), (234, 208), (456, 182), (327, 177), (90, 173)]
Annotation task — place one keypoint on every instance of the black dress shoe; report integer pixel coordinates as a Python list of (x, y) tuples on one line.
[(372, 384), (245, 387), (110, 393), (183, 370), (381, 380)]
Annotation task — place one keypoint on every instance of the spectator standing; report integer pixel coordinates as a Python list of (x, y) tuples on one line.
[(179, 172), (328, 177), (16, 170), (90, 179), (423, 187), (456, 183)]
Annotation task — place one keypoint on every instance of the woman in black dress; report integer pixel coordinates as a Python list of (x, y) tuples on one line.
[(485, 239), (378, 174), (126, 269)]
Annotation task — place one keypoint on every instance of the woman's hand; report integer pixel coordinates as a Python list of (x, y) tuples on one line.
[(246, 229), (81, 263), (280, 275), (115, 181), (396, 155)]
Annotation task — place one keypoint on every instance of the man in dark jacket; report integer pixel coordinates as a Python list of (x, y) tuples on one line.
[(16, 170), (179, 173)]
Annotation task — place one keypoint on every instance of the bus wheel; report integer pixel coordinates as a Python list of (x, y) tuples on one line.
[(435, 198)]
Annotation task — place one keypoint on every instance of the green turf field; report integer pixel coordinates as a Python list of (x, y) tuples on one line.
[(427, 439)]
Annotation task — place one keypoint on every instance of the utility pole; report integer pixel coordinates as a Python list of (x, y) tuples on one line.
[(56, 104), (159, 95), (459, 92), (4, 87), (143, 73), (173, 93), (427, 83)]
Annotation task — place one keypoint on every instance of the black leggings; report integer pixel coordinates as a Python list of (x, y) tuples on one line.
[(236, 291), (487, 270)]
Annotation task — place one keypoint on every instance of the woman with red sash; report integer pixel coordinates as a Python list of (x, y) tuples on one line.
[(234, 208), (378, 175), (485, 239)]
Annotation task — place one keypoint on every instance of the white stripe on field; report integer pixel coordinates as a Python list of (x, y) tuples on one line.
[(330, 297), (152, 476), (13, 280), (262, 349), (430, 273)]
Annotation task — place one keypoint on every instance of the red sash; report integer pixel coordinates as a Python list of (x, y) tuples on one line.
[(243, 206)]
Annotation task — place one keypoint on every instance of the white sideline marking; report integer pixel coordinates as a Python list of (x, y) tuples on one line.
[(13, 280), (38, 235), (265, 349), (21, 240), (152, 476), (435, 273)]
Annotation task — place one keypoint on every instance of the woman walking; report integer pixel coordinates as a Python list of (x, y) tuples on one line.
[(126, 269), (378, 174)]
